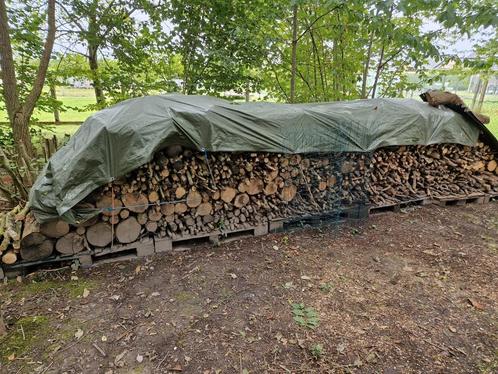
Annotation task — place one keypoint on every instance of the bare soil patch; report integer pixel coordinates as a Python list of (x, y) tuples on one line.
[(412, 292)]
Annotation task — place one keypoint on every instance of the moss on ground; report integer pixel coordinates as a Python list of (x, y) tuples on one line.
[(491, 366), (26, 333), (72, 289)]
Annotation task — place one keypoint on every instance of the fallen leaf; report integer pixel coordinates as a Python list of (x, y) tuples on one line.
[(452, 329), (341, 347), (371, 357), (429, 252), (475, 304), (78, 334), (137, 269), (11, 357), (177, 367), (358, 362), (117, 360), (301, 343), (86, 292)]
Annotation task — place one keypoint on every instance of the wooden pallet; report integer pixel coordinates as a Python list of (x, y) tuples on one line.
[(461, 200), (492, 197), (119, 252), (26, 267), (325, 218), (396, 207), (148, 246), (215, 237)]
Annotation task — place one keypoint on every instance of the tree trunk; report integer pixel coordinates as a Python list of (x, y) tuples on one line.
[(53, 95), (97, 83), (293, 55), (364, 94), (248, 92), (482, 94), (380, 65), (476, 92), (22, 138), (365, 69), (377, 72), (8, 74), (20, 113)]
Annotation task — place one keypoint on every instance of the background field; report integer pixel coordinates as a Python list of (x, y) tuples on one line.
[(75, 100)]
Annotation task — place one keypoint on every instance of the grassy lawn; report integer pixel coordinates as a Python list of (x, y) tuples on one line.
[(489, 108), (74, 98)]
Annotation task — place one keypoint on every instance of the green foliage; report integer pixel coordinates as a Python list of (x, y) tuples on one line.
[(26, 333), (325, 287), (316, 351), (27, 20), (345, 49), (221, 43), (305, 316), (7, 139)]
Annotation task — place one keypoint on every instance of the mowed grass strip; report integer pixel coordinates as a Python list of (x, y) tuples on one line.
[(75, 100)]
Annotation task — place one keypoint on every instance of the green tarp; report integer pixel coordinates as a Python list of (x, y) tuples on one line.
[(118, 139)]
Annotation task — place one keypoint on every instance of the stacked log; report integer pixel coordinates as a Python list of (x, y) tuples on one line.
[(181, 193)]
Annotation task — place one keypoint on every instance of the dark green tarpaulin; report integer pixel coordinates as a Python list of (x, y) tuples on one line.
[(118, 139)]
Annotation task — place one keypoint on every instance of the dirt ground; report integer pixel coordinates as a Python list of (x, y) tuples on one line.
[(409, 292)]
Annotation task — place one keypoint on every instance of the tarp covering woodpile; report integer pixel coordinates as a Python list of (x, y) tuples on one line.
[(119, 139)]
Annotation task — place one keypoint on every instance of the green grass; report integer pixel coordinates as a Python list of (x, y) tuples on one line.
[(489, 108), (81, 97), (26, 333), (60, 131), (72, 99)]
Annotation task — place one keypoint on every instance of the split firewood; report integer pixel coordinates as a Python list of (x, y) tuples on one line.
[(176, 194), (135, 202), (194, 199), (55, 228), (110, 206), (38, 251), (9, 257), (70, 244), (228, 194), (128, 230), (99, 235)]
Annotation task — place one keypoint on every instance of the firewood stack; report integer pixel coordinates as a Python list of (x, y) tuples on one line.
[(181, 193)]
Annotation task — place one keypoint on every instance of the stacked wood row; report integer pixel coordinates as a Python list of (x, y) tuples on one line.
[(182, 193)]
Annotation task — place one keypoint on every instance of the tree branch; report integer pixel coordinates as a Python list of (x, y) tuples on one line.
[(33, 96), (71, 17), (308, 28), (8, 74)]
